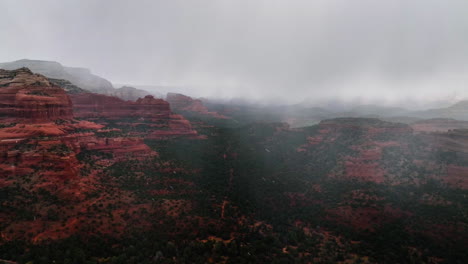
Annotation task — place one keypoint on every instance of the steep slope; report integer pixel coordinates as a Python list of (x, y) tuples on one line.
[(457, 111)]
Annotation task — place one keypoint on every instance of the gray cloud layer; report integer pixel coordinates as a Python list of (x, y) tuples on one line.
[(392, 49)]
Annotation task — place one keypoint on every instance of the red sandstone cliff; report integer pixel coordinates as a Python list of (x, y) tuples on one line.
[(98, 105), (31, 98), (154, 112)]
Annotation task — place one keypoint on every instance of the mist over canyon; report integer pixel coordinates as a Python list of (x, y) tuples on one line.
[(326, 131), (401, 53)]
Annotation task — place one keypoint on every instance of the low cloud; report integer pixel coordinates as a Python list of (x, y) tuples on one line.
[(387, 50)]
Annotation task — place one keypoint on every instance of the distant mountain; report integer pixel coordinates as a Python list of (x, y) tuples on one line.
[(130, 93), (156, 90), (301, 115), (80, 77), (381, 111), (438, 125), (244, 112), (457, 111)]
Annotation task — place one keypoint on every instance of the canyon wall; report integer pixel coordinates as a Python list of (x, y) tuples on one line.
[(31, 98)]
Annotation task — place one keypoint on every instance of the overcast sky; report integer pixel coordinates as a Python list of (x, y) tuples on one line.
[(300, 50)]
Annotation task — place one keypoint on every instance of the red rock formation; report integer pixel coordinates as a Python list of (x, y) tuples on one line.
[(180, 102), (164, 123), (31, 98), (49, 154), (97, 105), (178, 127), (120, 148), (32, 130)]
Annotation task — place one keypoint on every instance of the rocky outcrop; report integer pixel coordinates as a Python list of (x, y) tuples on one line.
[(183, 103), (78, 76), (151, 107), (28, 97), (121, 148), (178, 126)]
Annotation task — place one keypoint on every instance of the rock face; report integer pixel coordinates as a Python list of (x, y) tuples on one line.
[(98, 105), (178, 126), (78, 76), (28, 97), (151, 114), (183, 103)]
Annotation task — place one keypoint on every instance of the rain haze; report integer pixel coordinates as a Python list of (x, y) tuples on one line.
[(234, 131), (395, 51)]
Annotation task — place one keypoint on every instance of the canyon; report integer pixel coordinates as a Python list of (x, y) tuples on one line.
[(81, 165)]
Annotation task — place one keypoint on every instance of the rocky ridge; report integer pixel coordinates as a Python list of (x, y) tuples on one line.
[(80, 77)]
